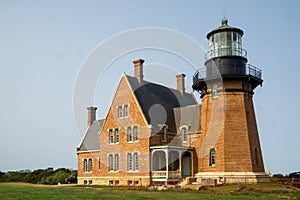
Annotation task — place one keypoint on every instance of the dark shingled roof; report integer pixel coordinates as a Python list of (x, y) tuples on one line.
[(158, 102), (90, 140), (189, 116)]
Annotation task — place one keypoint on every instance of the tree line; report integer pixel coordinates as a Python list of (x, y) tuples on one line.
[(39, 176)]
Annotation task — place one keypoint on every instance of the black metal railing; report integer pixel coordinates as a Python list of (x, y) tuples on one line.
[(226, 51), (227, 70)]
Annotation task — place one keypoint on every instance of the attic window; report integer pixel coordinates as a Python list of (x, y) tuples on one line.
[(184, 134), (125, 110), (120, 114)]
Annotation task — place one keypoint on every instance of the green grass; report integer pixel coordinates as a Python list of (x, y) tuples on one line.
[(259, 191)]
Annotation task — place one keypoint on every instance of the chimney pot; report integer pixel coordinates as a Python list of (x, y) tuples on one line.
[(91, 115), (181, 83), (138, 69)]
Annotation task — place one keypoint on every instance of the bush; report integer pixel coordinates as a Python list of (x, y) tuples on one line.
[(43, 176)]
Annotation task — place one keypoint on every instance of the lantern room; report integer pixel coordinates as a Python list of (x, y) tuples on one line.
[(225, 41)]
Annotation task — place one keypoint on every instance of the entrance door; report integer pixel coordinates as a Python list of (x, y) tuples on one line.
[(186, 169)]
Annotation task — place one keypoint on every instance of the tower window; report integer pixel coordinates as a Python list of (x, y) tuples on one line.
[(215, 91), (212, 155), (120, 111), (256, 156)]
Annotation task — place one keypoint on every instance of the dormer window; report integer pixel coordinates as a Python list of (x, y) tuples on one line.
[(184, 134)]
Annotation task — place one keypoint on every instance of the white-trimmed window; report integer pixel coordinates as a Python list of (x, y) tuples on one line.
[(125, 110), (116, 162), (135, 162), (110, 162), (164, 135), (215, 91), (90, 167), (129, 134), (212, 155), (111, 136), (120, 114), (117, 136), (129, 162), (85, 165), (184, 134), (135, 133)]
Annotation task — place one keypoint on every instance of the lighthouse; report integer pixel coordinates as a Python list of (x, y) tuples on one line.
[(228, 147)]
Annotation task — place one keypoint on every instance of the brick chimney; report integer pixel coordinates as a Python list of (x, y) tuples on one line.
[(138, 69), (180, 83), (91, 115)]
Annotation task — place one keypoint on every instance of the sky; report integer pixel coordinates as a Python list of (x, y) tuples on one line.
[(44, 46)]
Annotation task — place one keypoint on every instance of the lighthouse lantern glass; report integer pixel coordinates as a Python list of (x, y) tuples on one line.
[(226, 43)]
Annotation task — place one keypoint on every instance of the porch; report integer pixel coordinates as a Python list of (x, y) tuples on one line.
[(171, 163)]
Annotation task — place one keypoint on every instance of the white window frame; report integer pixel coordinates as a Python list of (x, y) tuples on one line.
[(126, 110), (90, 165), (110, 162), (135, 161), (117, 162), (117, 135), (111, 136), (183, 133), (129, 162), (85, 165), (214, 92), (129, 134), (135, 134), (212, 157), (120, 112)]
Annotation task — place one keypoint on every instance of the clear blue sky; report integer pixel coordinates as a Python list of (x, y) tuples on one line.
[(44, 43)]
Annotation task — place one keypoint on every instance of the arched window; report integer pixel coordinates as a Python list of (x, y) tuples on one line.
[(212, 155), (184, 134)]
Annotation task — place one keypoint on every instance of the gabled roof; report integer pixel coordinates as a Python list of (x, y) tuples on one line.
[(188, 116), (153, 97), (90, 141)]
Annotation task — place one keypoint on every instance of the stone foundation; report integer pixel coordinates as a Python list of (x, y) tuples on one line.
[(115, 181), (234, 177)]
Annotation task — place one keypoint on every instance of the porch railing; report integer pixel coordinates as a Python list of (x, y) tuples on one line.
[(165, 175)]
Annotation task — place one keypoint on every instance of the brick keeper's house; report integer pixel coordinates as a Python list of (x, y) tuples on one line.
[(153, 134)]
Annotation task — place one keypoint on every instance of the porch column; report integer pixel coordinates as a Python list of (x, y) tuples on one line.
[(180, 162), (192, 162), (167, 162)]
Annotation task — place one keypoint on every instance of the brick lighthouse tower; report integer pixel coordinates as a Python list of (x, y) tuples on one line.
[(228, 147)]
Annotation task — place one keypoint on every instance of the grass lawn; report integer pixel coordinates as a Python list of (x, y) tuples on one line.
[(259, 191)]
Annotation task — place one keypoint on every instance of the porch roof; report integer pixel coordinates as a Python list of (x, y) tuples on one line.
[(172, 147)]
